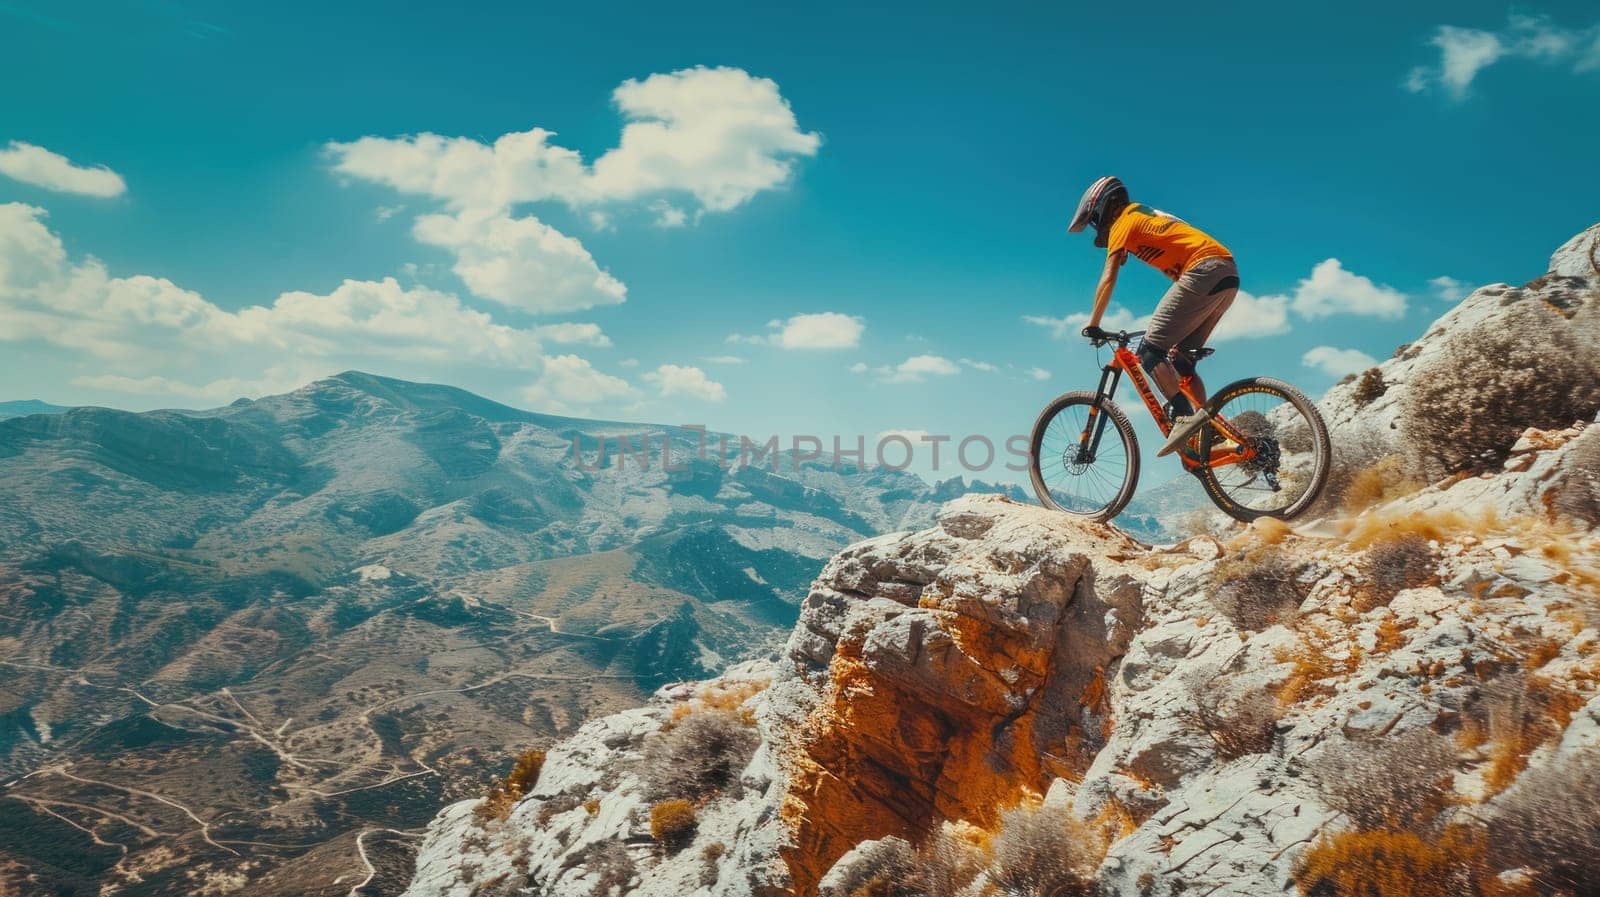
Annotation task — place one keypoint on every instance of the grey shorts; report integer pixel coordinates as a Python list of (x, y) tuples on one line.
[(1193, 305)]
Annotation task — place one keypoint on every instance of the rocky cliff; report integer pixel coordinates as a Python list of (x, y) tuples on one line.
[(1400, 697)]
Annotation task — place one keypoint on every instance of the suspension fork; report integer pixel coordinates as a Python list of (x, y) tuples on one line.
[(1094, 425)]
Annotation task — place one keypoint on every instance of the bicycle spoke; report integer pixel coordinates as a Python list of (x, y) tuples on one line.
[(1074, 480), (1269, 422)]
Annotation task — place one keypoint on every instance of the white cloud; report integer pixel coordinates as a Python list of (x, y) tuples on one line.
[(1331, 289), (218, 391), (679, 380), (708, 138), (984, 366), (384, 213), (918, 367), (42, 168), (1448, 289), (1251, 316), (571, 385), (719, 135), (572, 334), (1068, 327), (823, 330), (1039, 373), (628, 363), (668, 215), (819, 330), (521, 262), (1337, 362), (1465, 52), (148, 328), (915, 437), (859, 367), (722, 359)]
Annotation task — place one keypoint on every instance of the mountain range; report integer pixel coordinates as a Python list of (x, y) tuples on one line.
[(252, 644)]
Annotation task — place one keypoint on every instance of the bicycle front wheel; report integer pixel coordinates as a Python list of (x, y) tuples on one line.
[(1289, 447), (1083, 457)]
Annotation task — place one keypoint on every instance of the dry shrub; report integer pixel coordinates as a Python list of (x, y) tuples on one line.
[(1038, 851), (504, 794), (612, 866), (1382, 481), (884, 868), (673, 823), (1256, 589), (1045, 851), (1519, 712), (1520, 371), (1549, 821), (1393, 782), (1389, 864), (710, 856), (1391, 567), (699, 756), (1370, 387), (1241, 724), (1577, 493)]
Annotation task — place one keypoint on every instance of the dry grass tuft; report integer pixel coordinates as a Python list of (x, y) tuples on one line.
[(718, 696), (504, 794), (1315, 662), (1388, 636), (1390, 864), (673, 823)]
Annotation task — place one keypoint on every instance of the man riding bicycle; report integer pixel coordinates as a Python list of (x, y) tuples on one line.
[(1204, 282)]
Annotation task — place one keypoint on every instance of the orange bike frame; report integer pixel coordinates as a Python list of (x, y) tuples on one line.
[(1124, 361)]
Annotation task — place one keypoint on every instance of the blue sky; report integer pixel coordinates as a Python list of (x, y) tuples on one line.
[(903, 173)]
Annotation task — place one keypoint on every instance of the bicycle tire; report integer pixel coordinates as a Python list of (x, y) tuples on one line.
[(1124, 430), (1322, 453)]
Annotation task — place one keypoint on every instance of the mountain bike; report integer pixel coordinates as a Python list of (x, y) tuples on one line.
[(1264, 453)]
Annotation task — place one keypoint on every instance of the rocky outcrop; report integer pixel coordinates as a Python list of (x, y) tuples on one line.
[(947, 674), (1188, 704), (1579, 257), (1010, 653)]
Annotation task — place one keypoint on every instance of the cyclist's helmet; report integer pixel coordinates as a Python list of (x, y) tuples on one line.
[(1099, 207)]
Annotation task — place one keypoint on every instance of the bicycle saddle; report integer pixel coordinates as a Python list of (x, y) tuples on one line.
[(1195, 354)]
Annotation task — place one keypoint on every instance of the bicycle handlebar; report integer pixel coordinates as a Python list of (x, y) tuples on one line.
[(1098, 337)]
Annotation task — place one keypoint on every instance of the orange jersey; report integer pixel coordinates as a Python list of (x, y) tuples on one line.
[(1162, 241)]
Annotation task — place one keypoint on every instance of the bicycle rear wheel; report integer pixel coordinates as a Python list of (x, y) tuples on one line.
[(1290, 441), (1083, 457)]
